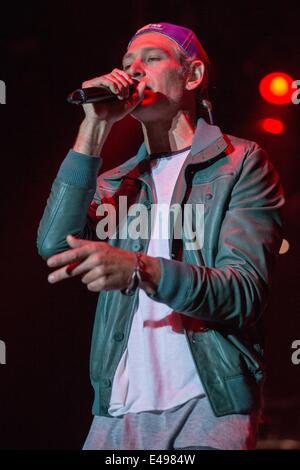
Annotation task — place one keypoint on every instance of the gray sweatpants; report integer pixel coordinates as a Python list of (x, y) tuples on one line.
[(190, 425)]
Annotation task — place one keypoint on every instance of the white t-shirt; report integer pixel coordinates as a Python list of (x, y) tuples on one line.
[(156, 371)]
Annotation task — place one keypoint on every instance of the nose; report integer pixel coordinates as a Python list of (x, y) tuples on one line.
[(136, 69)]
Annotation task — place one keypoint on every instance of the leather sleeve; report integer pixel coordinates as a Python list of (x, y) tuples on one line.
[(68, 206)]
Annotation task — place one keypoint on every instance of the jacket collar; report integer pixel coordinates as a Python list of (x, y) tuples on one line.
[(208, 143)]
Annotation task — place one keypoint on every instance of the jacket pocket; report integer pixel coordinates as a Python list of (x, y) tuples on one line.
[(234, 353), (201, 179), (243, 393)]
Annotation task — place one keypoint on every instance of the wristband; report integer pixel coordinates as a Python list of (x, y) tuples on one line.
[(136, 277)]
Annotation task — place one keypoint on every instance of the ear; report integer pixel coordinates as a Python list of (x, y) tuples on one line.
[(195, 75)]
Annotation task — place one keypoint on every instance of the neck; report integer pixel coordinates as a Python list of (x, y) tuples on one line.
[(170, 135)]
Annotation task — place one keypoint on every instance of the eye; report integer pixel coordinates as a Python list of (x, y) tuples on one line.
[(153, 58), (126, 67)]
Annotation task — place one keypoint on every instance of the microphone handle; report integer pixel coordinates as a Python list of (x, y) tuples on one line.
[(95, 94)]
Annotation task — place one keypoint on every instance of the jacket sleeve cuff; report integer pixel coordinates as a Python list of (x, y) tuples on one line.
[(176, 284), (79, 169)]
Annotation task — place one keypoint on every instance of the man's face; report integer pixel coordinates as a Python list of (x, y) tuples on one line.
[(153, 58)]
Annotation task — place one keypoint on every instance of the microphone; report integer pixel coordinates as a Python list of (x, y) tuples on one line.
[(96, 94)]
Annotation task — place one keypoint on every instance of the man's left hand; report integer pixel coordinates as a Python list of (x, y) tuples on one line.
[(102, 266)]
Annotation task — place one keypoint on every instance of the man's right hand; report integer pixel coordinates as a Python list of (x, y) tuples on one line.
[(118, 82)]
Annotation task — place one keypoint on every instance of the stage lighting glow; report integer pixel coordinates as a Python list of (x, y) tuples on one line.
[(285, 246), (276, 88), (279, 86), (271, 125)]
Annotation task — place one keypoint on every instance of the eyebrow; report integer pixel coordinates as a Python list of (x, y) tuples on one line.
[(129, 55)]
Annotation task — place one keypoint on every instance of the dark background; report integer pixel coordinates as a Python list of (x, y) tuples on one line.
[(47, 50)]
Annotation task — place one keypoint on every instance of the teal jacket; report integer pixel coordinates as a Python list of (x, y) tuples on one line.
[(225, 284)]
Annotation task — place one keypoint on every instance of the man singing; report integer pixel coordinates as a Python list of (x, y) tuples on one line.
[(177, 347)]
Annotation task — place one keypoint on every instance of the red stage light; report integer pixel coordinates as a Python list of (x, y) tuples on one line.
[(271, 125), (276, 88)]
